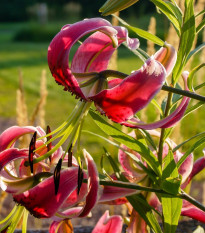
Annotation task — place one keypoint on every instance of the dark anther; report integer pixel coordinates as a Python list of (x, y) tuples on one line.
[(80, 178), (49, 145), (70, 155), (56, 175), (32, 148)]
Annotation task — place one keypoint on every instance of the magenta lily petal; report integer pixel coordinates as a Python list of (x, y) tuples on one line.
[(133, 93), (74, 197), (16, 186), (198, 166), (64, 226), (11, 154), (10, 135), (192, 211), (112, 193), (167, 56), (95, 52), (41, 200), (59, 49), (186, 167), (93, 185), (167, 122), (107, 224)]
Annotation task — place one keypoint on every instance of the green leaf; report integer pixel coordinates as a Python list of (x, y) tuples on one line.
[(186, 41), (140, 204), (193, 108), (171, 211), (200, 26), (142, 33), (130, 142), (188, 140), (112, 6), (170, 177), (200, 13), (192, 74), (171, 205), (190, 150), (170, 13), (195, 51), (177, 11)]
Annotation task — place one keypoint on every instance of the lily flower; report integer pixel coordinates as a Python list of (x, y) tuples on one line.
[(119, 99), (105, 224), (37, 192)]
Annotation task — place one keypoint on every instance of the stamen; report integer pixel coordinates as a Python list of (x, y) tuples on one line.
[(32, 148), (80, 178), (56, 175), (70, 155), (49, 145)]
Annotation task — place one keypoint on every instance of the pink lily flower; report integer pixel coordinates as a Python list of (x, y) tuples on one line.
[(37, 192), (106, 224), (86, 77)]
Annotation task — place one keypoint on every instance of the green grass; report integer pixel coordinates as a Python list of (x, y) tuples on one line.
[(31, 58)]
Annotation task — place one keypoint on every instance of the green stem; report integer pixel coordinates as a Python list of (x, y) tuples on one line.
[(122, 184), (190, 199), (162, 136), (117, 74), (184, 93)]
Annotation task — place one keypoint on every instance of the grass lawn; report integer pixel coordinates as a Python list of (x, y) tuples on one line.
[(31, 58)]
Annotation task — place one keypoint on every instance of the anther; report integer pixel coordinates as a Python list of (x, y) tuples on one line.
[(32, 148), (56, 175), (70, 155), (80, 178)]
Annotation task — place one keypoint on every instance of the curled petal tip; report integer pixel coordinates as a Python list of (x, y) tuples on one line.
[(167, 56)]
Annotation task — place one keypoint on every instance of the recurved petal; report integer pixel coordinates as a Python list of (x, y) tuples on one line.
[(107, 224), (167, 122), (59, 50), (10, 155), (10, 135), (167, 56), (41, 200), (186, 167), (111, 193), (192, 211), (121, 102), (198, 166), (65, 226), (93, 185)]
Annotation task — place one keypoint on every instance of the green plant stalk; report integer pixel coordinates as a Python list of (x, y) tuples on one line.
[(162, 139), (122, 184), (117, 74)]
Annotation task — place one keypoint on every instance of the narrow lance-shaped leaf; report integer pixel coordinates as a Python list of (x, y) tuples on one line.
[(112, 6), (190, 150), (171, 205), (169, 13), (142, 33), (200, 26), (186, 40)]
